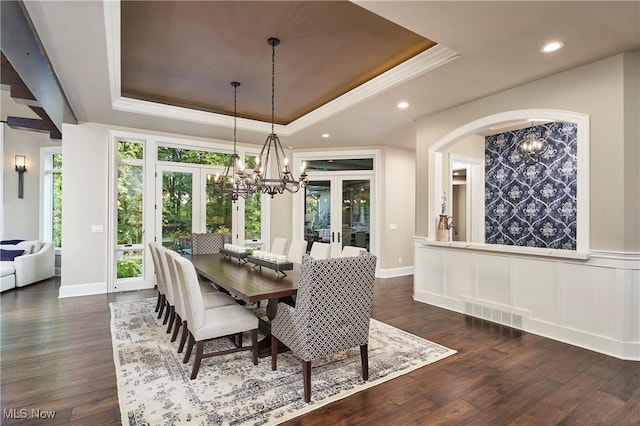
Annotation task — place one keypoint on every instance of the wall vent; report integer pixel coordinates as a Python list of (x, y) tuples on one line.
[(493, 314)]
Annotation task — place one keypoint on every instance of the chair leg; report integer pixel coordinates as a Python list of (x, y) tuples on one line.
[(364, 356), (254, 346), (162, 306), (158, 302), (177, 328), (183, 338), (172, 317), (187, 354), (198, 359), (166, 313), (274, 352), (306, 374)]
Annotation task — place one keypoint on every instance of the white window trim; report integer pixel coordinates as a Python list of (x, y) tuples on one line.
[(46, 195)]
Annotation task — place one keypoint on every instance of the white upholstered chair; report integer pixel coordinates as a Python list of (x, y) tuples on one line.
[(297, 249), (279, 245), (211, 299), (207, 324), (160, 283), (332, 312), (320, 250), (350, 251)]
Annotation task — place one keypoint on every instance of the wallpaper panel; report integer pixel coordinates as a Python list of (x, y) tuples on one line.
[(532, 203)]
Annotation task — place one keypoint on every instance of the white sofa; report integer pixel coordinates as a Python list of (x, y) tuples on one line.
[(36, 264)]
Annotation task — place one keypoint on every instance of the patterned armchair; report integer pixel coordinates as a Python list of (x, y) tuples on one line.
[(332, 312), (209, 243)]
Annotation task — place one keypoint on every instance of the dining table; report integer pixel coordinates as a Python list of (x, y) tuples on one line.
[(252, 285)]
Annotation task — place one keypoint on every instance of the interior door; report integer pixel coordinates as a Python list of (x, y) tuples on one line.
[(337, 210)]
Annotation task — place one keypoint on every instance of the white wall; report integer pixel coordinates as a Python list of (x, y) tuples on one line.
[(593, 303), (398, 212), (21, 217), (596, 89)]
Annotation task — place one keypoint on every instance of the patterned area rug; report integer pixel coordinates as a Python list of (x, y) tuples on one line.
[(154, 386)]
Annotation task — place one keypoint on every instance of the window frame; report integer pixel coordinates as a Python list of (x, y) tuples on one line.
[(46, 193)]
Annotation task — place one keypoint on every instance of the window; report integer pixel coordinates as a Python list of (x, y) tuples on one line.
[(51, 194), (130, 181)]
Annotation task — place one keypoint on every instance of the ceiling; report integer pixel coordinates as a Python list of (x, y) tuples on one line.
[(186, 53), (482, 48)]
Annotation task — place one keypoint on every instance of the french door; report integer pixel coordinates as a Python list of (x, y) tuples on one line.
[(338, 211), (186, 202)]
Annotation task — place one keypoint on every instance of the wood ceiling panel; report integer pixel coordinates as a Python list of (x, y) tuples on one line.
[(187, 53)]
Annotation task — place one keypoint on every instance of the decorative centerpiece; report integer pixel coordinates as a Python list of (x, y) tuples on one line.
[(445, 223), (238, 252), (276, 262)]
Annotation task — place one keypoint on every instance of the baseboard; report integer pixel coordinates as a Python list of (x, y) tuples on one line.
[(395, 272), (82, 290)]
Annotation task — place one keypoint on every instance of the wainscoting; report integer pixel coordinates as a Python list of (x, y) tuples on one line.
[(593, 303)]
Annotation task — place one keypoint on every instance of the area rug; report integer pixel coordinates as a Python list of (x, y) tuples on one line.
[(154, 386)]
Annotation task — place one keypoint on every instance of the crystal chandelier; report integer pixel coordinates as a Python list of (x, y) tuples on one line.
[(234, 181), (533, 145), (272, 155)]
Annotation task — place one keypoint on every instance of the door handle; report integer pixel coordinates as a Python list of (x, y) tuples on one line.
[(339, 236), (333, 237)]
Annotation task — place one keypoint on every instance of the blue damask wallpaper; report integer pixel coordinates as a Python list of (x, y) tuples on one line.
[(532, 203)]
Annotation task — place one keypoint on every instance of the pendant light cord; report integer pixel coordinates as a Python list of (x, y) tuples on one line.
[(273, 84)]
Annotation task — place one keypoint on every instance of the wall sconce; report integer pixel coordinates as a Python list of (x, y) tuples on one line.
[(21, 167)]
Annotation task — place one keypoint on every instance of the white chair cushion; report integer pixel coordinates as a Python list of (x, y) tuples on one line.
[(225, 321), (216, 300), (6, 268)]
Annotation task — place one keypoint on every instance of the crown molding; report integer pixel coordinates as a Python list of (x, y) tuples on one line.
[(419, 64)]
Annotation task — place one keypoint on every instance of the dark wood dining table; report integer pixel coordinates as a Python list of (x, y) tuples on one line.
[(252, 285)]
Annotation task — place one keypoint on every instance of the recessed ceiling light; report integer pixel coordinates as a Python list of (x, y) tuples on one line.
[(403, 105), (325, 135), (290, 147), (552, 47)]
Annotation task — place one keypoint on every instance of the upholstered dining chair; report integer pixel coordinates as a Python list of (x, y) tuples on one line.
[(332, 312), (279, 245), (160, 283), (211, 299), (208, 324), (349, 251), (209, 243), (162, 272), (320, 250), (297, 249)]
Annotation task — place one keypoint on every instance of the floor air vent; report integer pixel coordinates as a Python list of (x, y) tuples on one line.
[(493, 314)]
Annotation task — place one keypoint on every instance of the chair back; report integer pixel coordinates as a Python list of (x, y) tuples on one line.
[(333, 304), (156, 268), (279, 245), (297, 249), (164, 271), (350, 251), (209, 243), (320, 250), (194, 302), (176, 282)]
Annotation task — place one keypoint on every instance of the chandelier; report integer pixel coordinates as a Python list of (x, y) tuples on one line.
[(533, 145), (234, 181), (272, 158)]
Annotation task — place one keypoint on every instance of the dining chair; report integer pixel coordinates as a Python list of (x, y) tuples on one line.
[(331, 314), (209, 243), (349, 251), (297, 249), (209, 324), (211, 299), (162, 300), (320, 250), (162, 271), (279, 245)]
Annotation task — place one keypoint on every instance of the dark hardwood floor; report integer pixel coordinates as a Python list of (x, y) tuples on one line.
[(56, 355)]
